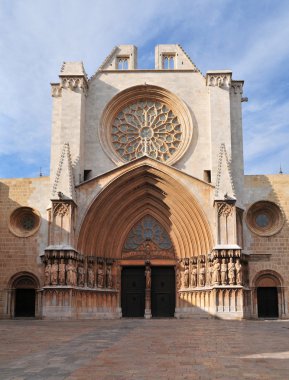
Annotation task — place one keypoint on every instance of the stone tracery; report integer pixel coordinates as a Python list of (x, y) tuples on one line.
[(146, 128)]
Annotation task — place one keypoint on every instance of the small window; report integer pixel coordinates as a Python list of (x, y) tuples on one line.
[(168, 62), (122, 63), (207, 176), (86, 175)]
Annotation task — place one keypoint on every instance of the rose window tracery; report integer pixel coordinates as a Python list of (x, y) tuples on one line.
[(148, 229), (146, 128)]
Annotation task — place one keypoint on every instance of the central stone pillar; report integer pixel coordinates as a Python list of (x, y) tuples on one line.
[(148, 275)]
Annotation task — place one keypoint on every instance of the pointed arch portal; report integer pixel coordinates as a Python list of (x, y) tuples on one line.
[(144, 190)]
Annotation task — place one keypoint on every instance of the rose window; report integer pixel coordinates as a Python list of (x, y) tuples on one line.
[(146, 128)]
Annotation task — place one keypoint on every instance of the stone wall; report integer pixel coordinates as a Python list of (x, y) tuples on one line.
[(21, 254)]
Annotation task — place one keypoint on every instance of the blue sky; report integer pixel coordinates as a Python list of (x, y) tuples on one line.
[(250, 37)]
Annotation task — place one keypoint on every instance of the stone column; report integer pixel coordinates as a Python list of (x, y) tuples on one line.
[(148, 312), (118, 288)]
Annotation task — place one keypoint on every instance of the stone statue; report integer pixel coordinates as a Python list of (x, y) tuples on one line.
[(109, 277), (61, 273), (178, 278), (47, 273), (216, 273), (224, 268), (70, 270), (80, 275), (209, 273), (202, 275), (54, 273), (148, 277), (239, 272), (100, 276), (231, 272), (186, 277), (194, 276), (90, 280)]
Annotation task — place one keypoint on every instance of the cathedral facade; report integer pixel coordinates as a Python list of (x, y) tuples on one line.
[(147, 211)]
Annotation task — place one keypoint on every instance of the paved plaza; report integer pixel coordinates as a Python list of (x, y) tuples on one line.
[(144, 349)]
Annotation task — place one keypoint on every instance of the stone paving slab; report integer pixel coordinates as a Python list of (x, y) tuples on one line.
[(144, 349)]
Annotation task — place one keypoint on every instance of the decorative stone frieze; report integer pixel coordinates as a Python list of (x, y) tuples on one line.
[(56, 90), (69, 268), (219, 79), (237, 86), (223, 267), (74, 83)]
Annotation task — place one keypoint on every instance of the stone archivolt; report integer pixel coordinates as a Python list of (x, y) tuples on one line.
[(145, 120), (141, 191)]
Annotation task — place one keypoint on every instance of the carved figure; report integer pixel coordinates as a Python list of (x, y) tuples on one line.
[(148, 277), (54, 273), (231, 272), (74, 276), (80, 275), (100, 276), (61, 273), (194, 276), (90, 277), (239, 272), (108, 277), (216, 273), (186, 277), (178, 278), (47, 273), (202, 275), (224, 268), (70, 279), (209, 273)]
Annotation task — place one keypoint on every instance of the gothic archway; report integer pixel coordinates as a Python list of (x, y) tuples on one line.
[(145, 188)]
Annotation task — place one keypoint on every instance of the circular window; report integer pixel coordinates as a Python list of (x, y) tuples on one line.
[(146, 127), (145, 121), (264, 218), (24, 221)]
